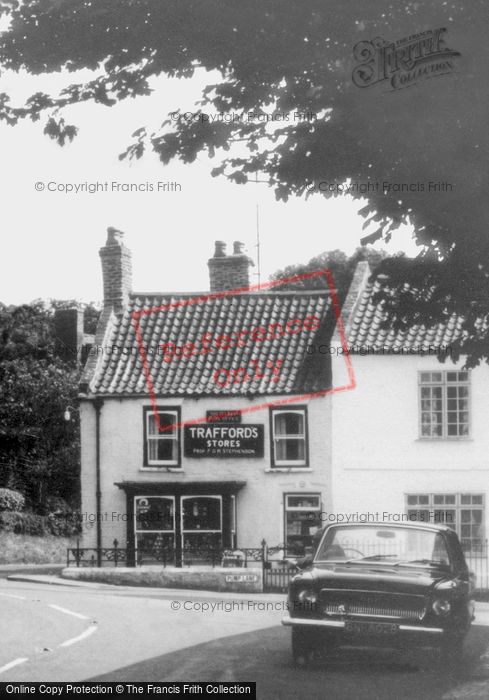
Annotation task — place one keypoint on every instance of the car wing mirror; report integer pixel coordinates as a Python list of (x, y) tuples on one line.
[(305, 561)]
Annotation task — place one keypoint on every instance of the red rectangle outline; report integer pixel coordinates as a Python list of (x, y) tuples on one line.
[(136, 315)]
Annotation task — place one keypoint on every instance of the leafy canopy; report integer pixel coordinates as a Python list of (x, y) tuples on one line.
[(296, 56), (341, 265), (39, 451)]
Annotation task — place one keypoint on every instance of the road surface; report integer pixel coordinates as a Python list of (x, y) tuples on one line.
[(57, 633)]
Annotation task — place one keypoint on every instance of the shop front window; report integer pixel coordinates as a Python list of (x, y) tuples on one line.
[(302, 522), (201, 525)]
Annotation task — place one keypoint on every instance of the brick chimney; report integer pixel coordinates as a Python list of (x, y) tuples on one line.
[(69, 335), (116, 270), (229, 271)]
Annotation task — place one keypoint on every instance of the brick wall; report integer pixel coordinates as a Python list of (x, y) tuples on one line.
[(116, 270)]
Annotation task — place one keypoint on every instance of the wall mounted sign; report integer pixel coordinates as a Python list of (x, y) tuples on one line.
[(223, 416), (241, 578), (224, 440)]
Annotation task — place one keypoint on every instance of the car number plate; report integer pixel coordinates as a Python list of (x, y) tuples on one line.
[(374, 628)]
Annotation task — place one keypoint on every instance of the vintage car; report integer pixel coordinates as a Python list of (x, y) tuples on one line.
[(381, 584)]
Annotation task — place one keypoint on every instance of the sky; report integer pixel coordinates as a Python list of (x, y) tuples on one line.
[(49, 240)]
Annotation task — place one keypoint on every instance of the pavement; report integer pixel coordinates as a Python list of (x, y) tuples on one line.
[(55, 580), (181, 592), (10, 569)]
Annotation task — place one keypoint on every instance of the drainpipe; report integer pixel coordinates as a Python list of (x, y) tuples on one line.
[(98, 403)]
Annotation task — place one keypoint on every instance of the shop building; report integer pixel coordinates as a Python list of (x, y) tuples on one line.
[(215, 437), (198, 429)]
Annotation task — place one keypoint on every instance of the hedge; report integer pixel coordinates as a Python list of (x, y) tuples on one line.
[(39, 525), (11, 500)]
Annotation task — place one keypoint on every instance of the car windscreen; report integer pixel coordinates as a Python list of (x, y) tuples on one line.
[(401, 545)]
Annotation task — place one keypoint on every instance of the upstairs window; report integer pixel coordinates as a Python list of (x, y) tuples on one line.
[(289, 437), (162, 446), (444, 404)]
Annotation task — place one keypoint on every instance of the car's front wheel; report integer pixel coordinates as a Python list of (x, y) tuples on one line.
[(302, 646)]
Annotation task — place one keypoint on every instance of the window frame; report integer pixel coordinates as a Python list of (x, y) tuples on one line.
[(139, 531), (156, 464), (457, 507), (291, 464), (301, 509), (444, 384), (192, 496)]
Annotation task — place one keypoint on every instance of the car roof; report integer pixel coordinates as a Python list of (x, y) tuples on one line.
[(415, 525)]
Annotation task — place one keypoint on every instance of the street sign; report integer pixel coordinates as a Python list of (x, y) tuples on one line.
[(241, 578)]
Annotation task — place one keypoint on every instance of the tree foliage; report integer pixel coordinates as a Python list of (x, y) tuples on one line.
[(341, 265), (39, 451), (287, 57)]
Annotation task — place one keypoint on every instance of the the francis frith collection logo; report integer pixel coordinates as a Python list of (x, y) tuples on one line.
[(405, 62)]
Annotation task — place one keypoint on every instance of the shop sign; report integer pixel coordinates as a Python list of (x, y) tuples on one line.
[(223, 416), (224, 440)]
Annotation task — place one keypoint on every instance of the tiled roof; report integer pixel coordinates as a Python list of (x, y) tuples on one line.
[(365, 330), (275, 363)]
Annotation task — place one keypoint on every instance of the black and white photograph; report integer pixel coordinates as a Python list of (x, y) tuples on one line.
[(244, 348)]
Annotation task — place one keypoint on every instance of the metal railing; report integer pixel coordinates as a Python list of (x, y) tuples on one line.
[(476, 556), (91, 556), (277, 562), (267, 557)]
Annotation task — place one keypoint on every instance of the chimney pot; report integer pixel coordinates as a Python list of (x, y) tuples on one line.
[(114, 236), (220, 249), (229, 271)]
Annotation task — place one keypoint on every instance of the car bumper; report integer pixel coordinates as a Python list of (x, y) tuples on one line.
[(340, 624)]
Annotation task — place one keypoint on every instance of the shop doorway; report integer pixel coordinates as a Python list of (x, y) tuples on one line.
[(154, 529), (172, 528)]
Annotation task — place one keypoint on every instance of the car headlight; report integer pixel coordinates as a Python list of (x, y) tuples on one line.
[(307, 595), (441, 606)]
